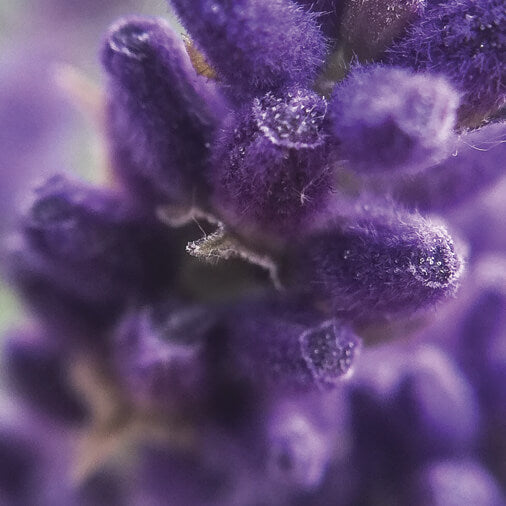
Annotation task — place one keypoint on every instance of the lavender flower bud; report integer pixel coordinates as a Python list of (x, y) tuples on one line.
[(270, 169), (410, 402), (464, 41), (482, 336), (455, 483), (375, 262), (298, 450), (369, 26), (85, 250), (489, 207), (439, 410), (38, 372), (255, 46), (160, 115), (284, 352), (158, 352), (477, 163), (389, 119)]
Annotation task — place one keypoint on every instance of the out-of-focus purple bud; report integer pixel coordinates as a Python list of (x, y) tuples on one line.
[(455, 483), (390, 119), (276, 347), (38, 372), (438, 411), (477, 163), (270, 170), (412, 403), (298, 450), (370, 26), (377, 261), (255, 46), (424, 399), (329, 14), (159, 353), (463, 40), (488, 207), (87, 250), (161, 114), (482, 335)]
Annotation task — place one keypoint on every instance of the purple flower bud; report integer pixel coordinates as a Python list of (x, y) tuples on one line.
[(482, 336), (410, 402), (369, 26), (159, 353), (329, 14), (255, 46), (280, 350), (388, 119), (477, 163), (464, 41), (161, 114), (298, 450), (270, 166), (455, 483), (377, 261), (488, 207), (38, 371), (85, 250), (439, 410)]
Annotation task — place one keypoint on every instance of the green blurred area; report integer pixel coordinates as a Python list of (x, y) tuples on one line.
[(10, 311)]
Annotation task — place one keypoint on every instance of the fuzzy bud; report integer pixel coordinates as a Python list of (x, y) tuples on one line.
[(463, 40), (160, 113), (390, 119), (283, 351), (270, 172), (255, 45), (379, 262), (86, 250)]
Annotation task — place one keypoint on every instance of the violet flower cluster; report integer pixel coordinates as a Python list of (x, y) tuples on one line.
[(210, 328)]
